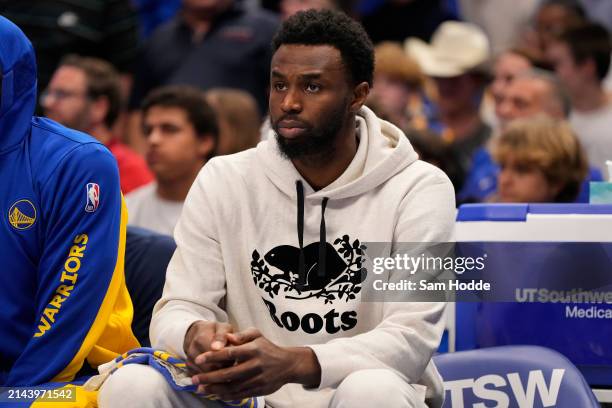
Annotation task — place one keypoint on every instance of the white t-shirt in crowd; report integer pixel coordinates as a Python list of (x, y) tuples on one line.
[(148, 210), (594, 129)]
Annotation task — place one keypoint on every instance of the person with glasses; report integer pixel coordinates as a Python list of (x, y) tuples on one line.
[(85, 94)]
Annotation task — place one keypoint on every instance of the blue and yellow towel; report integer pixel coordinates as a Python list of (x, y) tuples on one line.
[(172, 368)]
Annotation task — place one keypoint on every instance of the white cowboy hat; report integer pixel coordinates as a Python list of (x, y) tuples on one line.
[(456, 48)]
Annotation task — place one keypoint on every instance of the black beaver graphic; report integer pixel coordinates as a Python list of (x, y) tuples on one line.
[(286, 258)]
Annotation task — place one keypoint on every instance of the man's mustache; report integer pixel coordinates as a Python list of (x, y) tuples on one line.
[(290, 121)]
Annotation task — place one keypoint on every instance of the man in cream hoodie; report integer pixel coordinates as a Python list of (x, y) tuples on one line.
[(261, 296)]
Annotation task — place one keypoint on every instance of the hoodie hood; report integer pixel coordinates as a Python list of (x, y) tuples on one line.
[(18, 97), (383, 151)]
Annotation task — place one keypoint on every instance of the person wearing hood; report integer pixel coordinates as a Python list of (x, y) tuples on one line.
[(64, 307), (261, 296)]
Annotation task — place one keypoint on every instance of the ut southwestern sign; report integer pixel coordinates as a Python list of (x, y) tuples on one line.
[(502, 391)]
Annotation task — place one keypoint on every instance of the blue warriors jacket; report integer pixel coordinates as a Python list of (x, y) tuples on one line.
[(63, 299)]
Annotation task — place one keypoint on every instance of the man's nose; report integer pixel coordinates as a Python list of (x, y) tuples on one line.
[(47, 100), (154, 136), (505, 178), (505, 111), (292, 102)]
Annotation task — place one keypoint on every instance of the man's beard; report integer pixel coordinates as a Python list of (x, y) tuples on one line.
[(81, 120), (315, 145)]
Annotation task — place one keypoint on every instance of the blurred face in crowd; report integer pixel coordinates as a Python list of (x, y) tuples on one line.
[(290, 7), (205, 8), (238, 120), (392, 94), (455, 94), (524, 97), (551, 20), (66, 100), (311, 99), (572, 75), (174, 150), (523, 183), (507, 67)]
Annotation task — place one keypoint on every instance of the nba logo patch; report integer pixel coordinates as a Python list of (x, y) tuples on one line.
[(93, 197)]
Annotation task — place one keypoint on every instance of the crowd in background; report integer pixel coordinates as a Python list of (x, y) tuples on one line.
[(509, 98)]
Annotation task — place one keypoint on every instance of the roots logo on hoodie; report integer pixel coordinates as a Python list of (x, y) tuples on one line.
[(331, 273)]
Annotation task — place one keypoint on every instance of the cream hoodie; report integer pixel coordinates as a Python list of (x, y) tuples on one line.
[(249, 253)]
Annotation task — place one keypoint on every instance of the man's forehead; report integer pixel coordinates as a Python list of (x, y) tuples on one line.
[(162, 113), (69, 75), (529, 87), (558, 48), (307, 58)]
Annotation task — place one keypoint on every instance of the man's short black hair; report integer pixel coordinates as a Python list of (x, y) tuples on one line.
[(193, 102), (189, 99), (590, 41), (573, 6), (334, 28)]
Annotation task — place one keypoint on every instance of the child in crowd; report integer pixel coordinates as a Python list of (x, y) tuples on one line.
[(541, 160)]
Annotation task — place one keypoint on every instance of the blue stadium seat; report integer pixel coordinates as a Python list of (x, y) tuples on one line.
[(513, 376)]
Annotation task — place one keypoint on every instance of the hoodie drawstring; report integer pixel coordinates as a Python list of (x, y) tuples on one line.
[(300, 226), (322, 239)]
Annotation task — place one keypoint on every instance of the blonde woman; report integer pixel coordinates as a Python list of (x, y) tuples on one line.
[(540, 160)]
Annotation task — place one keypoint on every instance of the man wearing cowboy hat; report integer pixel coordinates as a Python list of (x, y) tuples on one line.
[(457, 60)]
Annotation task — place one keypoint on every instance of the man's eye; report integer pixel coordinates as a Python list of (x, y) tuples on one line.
[(313, 88), (523, 168), (520, 103), (279, 86), (169, 129)]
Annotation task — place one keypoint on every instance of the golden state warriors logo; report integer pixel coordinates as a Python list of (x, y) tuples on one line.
[(22, 214)]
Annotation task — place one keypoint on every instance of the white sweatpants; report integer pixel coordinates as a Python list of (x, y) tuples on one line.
[(140, 386)]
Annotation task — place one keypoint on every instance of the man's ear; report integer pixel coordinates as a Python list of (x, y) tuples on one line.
[(360, 94), (99, 109), (206, 145), (589, 66)]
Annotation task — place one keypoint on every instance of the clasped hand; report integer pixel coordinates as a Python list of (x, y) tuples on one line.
[(245, 364)]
